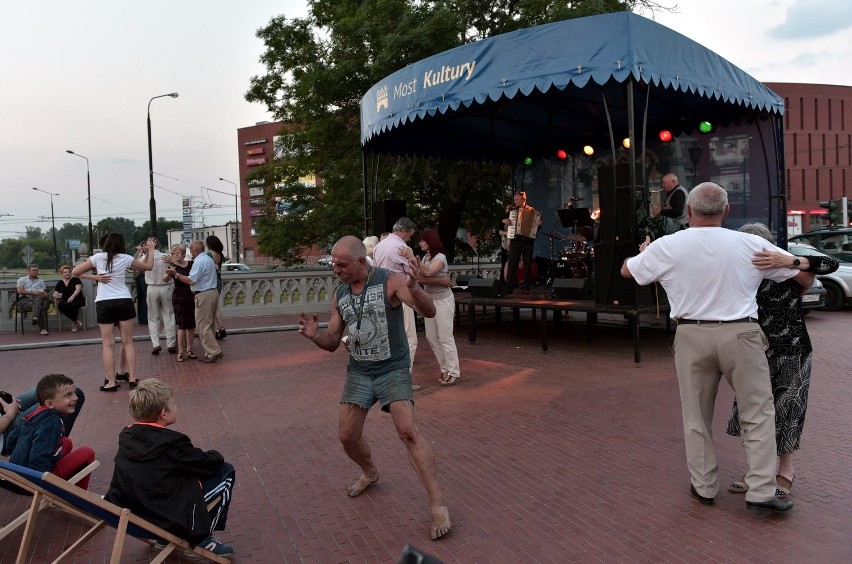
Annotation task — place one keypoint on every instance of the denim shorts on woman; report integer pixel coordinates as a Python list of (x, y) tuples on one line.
[(364, 391), (113, 311)]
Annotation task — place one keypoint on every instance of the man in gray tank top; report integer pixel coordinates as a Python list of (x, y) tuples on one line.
[(368, 303)]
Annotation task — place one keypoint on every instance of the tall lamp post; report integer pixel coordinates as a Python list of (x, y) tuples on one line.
[(88, 197), (153, 202), (53, 224), (236, 215)]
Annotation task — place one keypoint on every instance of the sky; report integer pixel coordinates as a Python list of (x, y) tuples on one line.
[(79, 75)]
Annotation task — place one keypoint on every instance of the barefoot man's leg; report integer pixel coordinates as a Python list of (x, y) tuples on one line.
[(350, 431), (423, 461)]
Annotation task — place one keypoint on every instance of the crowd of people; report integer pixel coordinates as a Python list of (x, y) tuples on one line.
[(733, 294)]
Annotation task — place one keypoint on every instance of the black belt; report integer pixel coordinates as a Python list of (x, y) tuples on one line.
[(705, 322), (207, 290)]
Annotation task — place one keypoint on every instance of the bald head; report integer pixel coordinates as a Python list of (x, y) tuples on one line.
[(350, 246), (196, 247)]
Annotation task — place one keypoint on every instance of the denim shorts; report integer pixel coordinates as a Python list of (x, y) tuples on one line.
[(113, 311), (364, 391)]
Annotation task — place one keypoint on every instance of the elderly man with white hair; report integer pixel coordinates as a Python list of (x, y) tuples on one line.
[(711, 275)]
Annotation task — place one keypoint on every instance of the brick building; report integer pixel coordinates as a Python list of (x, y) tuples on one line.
[(817, 147)]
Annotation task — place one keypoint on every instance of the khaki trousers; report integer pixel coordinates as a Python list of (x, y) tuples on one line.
[(205, 315), (161, 310), (703, 353)]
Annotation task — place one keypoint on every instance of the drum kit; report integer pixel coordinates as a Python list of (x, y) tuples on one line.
[(576, 257)]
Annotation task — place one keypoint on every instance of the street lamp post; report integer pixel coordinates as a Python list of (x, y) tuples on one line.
[(153, 202), (236, 216), (53, 224), (88, 198)]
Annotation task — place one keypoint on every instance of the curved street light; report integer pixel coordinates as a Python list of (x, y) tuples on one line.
[(236, 215), (153, 202), (88, 197), (53, 224)]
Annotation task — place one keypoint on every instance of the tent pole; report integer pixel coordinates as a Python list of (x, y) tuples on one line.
[(366, 195)]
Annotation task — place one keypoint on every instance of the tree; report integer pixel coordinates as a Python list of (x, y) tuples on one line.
[(127, 227), (163, 227), (317, 69)]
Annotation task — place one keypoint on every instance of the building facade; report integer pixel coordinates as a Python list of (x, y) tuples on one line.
[(817, 149)]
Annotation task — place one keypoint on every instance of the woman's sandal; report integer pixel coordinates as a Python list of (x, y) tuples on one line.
[(122, 377), (133, 384), (739, 486), (192, 355), (181, 357), (783, 485), (449, 381), (443, 378), (106, 388)]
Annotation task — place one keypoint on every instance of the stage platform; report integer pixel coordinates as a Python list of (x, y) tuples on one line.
[(542, 302)]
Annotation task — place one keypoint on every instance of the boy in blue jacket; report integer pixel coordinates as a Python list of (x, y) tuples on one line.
[(162, 477), (41, 441)]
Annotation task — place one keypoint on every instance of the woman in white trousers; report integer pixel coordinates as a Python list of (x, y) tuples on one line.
[(439, 329)]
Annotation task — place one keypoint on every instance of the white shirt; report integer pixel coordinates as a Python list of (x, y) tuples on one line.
[(707, 272), (116, 288), (154, 277), (386, 254)]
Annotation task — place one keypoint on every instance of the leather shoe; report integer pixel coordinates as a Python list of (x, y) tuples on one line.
[(156, 350), (773, 504), (172, 350), (701, 498)]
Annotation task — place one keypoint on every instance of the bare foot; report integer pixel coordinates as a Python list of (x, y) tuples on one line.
[(440, 523), (362, 484)]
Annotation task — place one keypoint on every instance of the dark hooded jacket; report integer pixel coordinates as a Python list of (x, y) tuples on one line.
[(158, 475), (37, 442)]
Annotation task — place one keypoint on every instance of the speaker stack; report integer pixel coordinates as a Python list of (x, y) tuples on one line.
[(385, 214)]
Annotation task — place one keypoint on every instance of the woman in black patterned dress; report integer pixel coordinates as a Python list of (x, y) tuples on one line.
[(789, 355), (183, 301)]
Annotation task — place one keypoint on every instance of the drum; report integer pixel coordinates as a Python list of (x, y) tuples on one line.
[(571, 268), (581, 249)]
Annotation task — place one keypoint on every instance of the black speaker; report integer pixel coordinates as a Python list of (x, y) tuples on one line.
[(464, 280), (615, 194), (572, 288), (612, 287), (483, 287), (385, 214)]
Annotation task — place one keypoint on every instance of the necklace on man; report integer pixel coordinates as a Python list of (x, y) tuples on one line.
[(360, 311)]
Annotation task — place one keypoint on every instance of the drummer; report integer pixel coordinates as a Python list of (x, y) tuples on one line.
[(520, 246)]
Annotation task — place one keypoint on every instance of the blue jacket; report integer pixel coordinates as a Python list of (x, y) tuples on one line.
[(36, 442)]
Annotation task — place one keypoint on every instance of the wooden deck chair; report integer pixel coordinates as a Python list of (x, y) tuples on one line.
[(22, 518), (91, 507)]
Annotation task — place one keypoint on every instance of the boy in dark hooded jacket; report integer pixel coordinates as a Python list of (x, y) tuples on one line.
[(162, 477), (40, 441)]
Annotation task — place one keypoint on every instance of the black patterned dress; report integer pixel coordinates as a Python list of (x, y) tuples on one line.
[(183, 300), (789, 355)]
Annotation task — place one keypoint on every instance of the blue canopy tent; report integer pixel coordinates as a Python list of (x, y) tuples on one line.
[(590, 81)]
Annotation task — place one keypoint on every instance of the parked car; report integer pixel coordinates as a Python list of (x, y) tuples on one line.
[(814, 298), (833, 241), (838, 284), (235, 267), (325, 261)]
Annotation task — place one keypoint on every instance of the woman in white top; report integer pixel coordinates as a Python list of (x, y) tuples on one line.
[(370, 244), (113, 303), (439, 329)]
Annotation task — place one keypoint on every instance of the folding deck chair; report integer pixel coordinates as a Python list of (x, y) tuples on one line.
[(74, 500)]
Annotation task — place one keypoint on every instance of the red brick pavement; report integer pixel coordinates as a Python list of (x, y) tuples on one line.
[(575, 455)]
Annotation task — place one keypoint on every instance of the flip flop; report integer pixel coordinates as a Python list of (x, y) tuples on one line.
[(739, 486), (451, 381), (783, 485)]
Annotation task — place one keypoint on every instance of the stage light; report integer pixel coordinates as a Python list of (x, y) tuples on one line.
[(705, 127), (561, 154), (589, 150), (626, 143), (665, 136), (528, 161)]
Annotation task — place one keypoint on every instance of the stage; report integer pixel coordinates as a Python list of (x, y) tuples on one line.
[(541, 301)]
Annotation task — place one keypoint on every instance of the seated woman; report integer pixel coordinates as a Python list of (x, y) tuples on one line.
[(68, 294)]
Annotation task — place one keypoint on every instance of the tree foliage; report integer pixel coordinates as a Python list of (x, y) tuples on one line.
[(318, 68)]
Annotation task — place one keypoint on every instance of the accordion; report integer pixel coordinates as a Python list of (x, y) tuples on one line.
[(524, 223)]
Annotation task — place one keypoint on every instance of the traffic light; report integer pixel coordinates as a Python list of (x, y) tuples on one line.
[(838, 211)]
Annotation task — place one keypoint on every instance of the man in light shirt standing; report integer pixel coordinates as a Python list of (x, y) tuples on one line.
[(160, 308), (202, 279)]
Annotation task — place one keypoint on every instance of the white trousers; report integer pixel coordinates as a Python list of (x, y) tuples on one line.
[(439, 333), (160, 310), (410, 332)]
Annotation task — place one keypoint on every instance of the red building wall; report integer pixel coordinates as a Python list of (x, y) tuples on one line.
[(817, 146)]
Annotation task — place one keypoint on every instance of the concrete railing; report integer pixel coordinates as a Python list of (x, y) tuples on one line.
[(244, 294)]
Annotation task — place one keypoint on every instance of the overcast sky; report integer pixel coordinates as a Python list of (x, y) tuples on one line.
[(78, 75)]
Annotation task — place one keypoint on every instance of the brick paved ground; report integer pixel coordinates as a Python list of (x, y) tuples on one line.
[(575, 455)]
